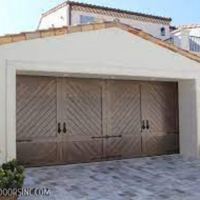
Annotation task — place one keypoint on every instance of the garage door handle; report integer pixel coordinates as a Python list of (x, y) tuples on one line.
[(64, 128), (143, 125), (59, 128), (147, 124)]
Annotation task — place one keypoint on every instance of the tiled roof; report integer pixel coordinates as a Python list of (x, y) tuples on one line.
[(92, 27), (118, 13)]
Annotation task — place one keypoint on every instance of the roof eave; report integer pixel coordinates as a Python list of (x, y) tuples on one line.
[(92, 27)]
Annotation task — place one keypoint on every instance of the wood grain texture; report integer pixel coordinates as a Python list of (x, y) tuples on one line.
[(103, 119), (36, 120), (123, 119), (82, 111), (160, 108)]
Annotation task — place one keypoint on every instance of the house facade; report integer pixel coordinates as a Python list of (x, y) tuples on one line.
[(123, 94), (74, 13), (187, 37)]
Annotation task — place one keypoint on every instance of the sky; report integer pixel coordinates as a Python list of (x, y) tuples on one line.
[(23, 15)]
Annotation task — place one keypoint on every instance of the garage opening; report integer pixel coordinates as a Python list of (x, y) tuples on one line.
[(71, 120)]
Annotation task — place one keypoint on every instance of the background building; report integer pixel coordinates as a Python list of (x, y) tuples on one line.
[(73, 13), (187, 37)]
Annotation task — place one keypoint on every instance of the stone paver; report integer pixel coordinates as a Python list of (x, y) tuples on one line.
[(156, 178)]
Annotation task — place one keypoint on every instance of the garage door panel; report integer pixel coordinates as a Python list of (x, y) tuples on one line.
[(114, 148), (80, 123), (123, 118), (82, 151), (82, 103), (37, 154), (172, 143), (37, 108), (36, 120), (34, 98), (154, 145), (159, 100), (161, 145), (131, 146), (125, 147), (160, 110), (123, 110), (41, 105), (44, 126)]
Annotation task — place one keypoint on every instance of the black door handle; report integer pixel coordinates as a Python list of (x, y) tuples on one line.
[(64, 128), (147, 124), (143, 125), (59, 128)]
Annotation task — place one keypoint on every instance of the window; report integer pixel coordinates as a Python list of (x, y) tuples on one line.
[(86, 19), (162, 31)]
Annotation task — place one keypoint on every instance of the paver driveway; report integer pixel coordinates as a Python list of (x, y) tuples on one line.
[(156, 178)]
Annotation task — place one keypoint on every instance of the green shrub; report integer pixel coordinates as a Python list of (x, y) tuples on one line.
[(11, 175)]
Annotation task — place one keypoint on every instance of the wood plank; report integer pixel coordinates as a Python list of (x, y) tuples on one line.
[(160, 108), (123, 119), (37, 120), (82, 110), (103, 119)]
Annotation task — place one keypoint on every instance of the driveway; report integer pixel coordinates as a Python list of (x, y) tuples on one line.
[(156, 178)]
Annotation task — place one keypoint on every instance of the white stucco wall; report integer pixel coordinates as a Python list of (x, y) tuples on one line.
[(59, 18), (55, 19), (195, 32), (109, 53), (149, 27), (188, 96), (2, 110)]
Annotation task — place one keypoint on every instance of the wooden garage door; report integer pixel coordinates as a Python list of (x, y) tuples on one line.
[(141, 119), (82, 113), (123, 119), (59, 120), (160, 116), (37, 138), (65, 120)]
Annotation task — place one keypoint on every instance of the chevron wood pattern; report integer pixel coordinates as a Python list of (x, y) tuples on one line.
[(103, 119), (123, 118), (36, 107), (36, 119), (82, 109), (160, 108)]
